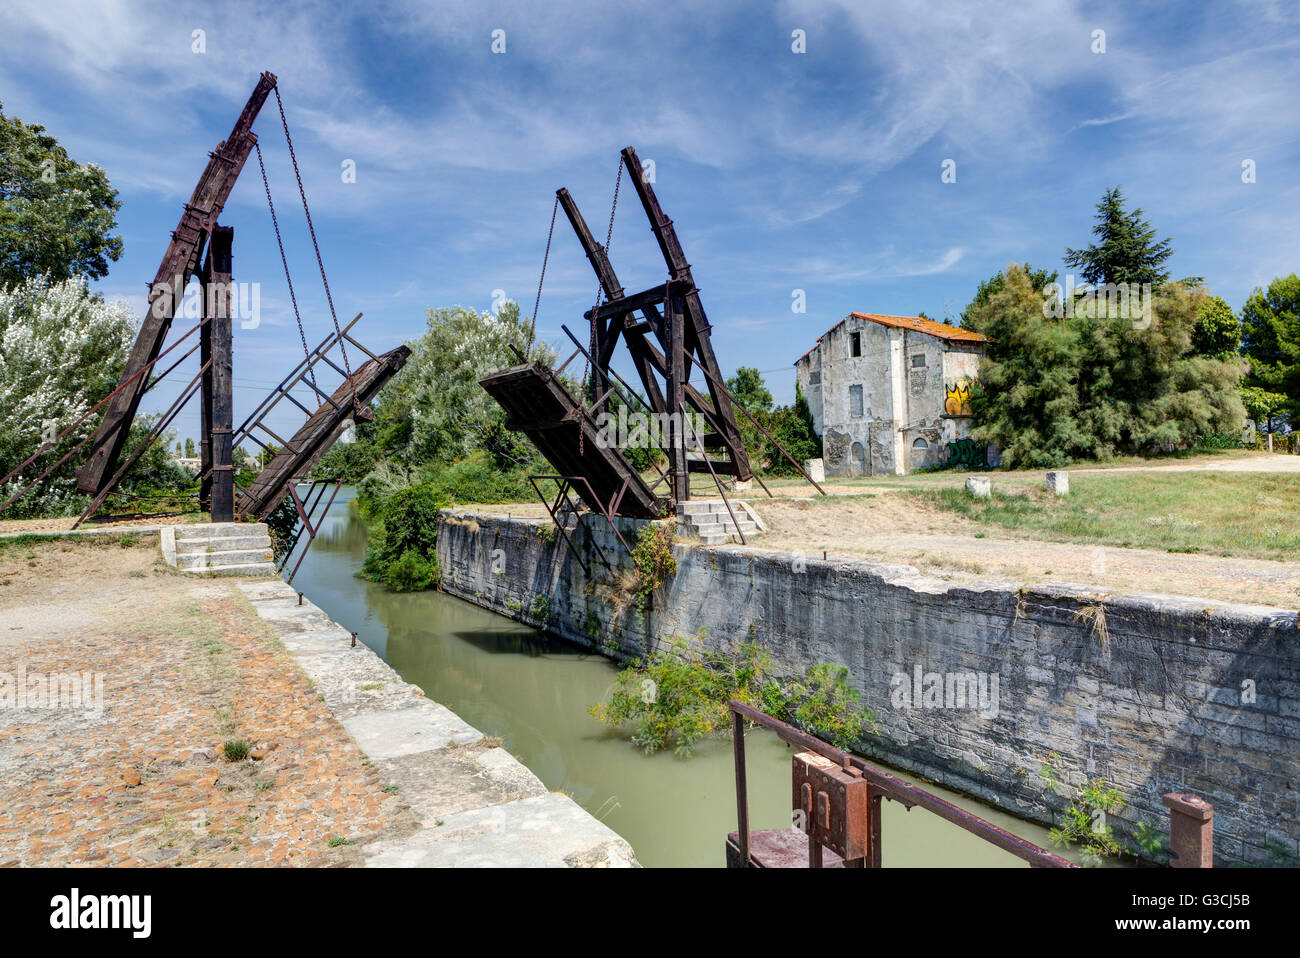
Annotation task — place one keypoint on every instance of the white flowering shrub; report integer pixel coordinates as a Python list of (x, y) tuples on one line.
[(62, 350)]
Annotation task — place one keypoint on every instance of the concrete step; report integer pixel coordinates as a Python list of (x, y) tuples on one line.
[(222, 544), (208, 530), (195, 561), (250, 568), (715, 540), (723, 528)]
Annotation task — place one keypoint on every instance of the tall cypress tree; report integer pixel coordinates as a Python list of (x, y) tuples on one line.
[(1126, 250)]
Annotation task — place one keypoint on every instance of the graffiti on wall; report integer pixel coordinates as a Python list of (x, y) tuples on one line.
[(968, 453), (957, 401)]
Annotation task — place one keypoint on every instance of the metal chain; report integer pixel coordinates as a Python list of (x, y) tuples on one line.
[(275, 222), (600, 293), (532, 322), (356, 404)]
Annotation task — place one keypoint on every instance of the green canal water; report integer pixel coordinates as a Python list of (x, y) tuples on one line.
[(533, 691)]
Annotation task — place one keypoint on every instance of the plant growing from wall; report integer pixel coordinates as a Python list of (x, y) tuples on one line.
[(540, 609), (655, 562), (1084, 822)]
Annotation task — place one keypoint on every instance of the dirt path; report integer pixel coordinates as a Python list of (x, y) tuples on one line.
[(898, 529), (132, 771)]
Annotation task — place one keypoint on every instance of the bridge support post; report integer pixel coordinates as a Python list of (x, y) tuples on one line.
[(218, 388)]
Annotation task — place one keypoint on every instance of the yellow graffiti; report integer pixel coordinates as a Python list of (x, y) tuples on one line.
[(958, 401)]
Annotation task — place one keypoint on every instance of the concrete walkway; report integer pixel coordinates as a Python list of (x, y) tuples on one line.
[(475, 803)]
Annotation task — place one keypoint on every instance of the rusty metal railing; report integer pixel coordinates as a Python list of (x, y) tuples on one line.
[(879, 785)]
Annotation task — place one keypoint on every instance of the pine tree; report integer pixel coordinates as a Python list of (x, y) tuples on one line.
[(1126, 250)]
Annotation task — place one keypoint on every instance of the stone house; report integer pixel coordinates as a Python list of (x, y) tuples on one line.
[(889, 394)]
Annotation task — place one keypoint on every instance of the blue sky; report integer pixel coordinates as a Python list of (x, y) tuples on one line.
[(818, 171)]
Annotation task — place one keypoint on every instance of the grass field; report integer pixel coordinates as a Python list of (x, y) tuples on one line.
[(1230, 514)]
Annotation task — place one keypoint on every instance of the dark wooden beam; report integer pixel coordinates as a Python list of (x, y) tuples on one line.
[(179, 263), (218, 301), (679, 269), (630, 304)]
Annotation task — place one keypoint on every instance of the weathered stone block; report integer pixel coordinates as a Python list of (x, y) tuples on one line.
[(979, 486), (816, 469), (1058, 483)]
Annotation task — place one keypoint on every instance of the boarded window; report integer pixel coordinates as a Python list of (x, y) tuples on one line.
[(918, 360), (855, 402), (815, 378), (855, 344)]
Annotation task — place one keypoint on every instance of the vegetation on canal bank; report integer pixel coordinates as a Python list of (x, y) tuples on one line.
[(678, 696), (403, 536)]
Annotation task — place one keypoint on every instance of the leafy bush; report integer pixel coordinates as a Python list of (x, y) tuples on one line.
[(655, 562), (679, 696), (406, 531), (476, 478), (411, 572), (1057, 389), (1218, 440)]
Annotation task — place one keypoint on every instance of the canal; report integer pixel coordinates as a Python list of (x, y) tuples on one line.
[(512, 681)]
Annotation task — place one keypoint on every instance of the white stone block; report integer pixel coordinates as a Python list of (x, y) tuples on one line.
[(979, 486), (815, 468), (1058, 483)]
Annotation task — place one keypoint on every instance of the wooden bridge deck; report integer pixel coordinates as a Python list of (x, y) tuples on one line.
[(318, 434), (540, 407)]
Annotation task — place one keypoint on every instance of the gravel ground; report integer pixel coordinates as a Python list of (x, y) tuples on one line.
[(135, 773)]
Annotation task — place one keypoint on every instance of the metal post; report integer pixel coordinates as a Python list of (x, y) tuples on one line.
[(742, 791), (1191, 830)]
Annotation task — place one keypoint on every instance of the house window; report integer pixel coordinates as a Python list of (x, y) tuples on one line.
[(815, 379), (855, 402), (918, 361), (855, 344)]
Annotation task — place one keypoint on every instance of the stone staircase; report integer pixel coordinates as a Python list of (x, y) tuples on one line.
[(709, 521), (220, 548)]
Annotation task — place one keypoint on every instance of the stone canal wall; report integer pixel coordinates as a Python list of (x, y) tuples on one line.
[(983, 687)]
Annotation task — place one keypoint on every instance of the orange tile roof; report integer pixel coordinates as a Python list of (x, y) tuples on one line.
[(917, 324)]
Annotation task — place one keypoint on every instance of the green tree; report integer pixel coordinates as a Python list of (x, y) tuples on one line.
[(1040, 279), (1218, 331), (1262, 405), (748, 389), (1270, 339), (435, 409), (1053, 390), (1126, 250), (56, 217), (189, 448)]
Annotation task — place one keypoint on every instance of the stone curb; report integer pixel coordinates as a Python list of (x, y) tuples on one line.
[(478, 805)]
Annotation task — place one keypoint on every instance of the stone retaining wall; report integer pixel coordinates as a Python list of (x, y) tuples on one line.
[(1149, 693)]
